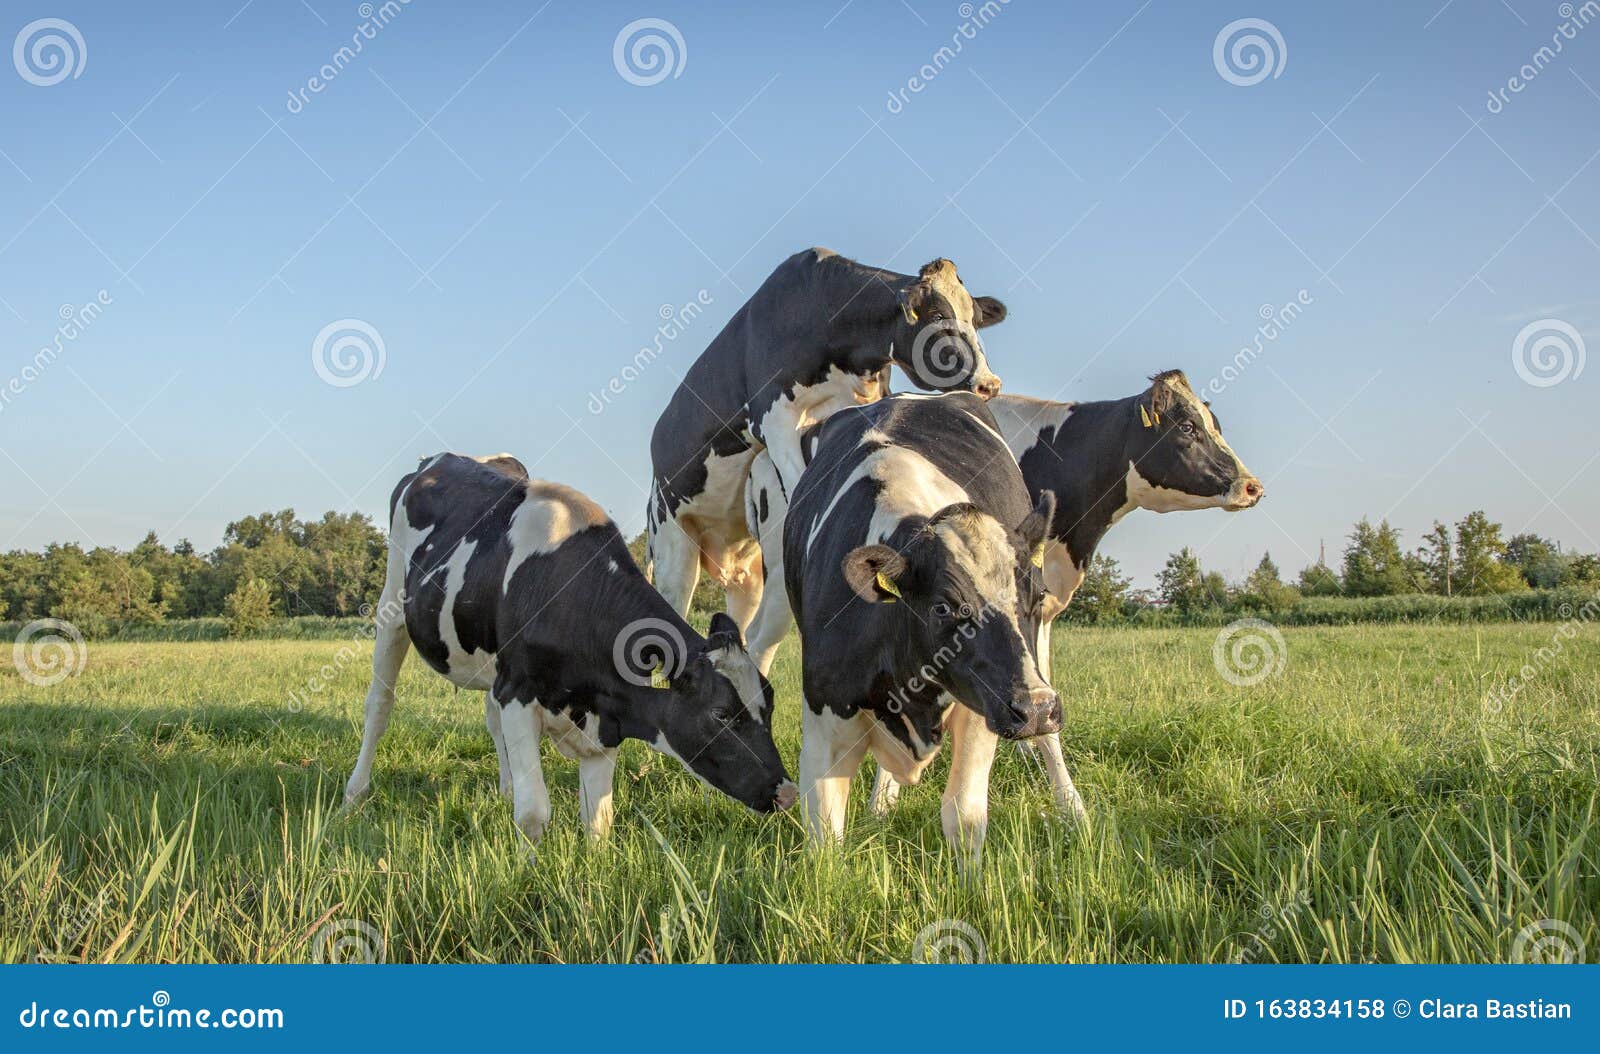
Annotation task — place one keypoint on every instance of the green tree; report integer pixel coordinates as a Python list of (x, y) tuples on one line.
[(1101, 594), (1373, 563), (1265, 590), (249, 608), (1181, 582), (1479, 552), (1320, 580), (1438, 559)]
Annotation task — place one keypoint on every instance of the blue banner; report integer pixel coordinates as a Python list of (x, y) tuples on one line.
[(939, 1007)]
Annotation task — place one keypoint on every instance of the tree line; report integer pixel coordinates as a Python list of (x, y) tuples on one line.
[(1469, 558), (276, 565)]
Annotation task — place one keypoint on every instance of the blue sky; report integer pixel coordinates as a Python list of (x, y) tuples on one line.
[(1089, 164)]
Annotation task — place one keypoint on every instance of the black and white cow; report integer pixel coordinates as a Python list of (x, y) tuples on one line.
[(910, 561), (525, 589), (1161, 449), (819, 334)]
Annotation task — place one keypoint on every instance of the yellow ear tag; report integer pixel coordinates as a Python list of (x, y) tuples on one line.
[(1144, 415), (886, 584), (1157, 415), (1037, 559), (658, 677)]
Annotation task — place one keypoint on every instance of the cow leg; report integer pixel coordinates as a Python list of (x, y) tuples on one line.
[(1069, 803), (388, 654), (596, 774), (773, 618), (530, 800), (831, 749), (772, 622), (744, 590), (964, 812), (1029, 748), (674, 564), (491, 718), (885, 792)]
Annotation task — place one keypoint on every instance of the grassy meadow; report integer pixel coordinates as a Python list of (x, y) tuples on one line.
[(180, 802)]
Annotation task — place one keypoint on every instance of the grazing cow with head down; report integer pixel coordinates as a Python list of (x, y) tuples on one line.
[(526, 590), (819, 334), (909, 558)]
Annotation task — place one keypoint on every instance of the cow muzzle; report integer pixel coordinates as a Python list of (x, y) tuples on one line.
[(1246, 492), (1036, 712), (986, 385)]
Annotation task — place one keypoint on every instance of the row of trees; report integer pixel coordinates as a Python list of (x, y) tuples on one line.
[(273, 564), (1469, 559)]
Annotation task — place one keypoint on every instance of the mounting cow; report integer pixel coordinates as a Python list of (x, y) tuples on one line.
[(818, 335)]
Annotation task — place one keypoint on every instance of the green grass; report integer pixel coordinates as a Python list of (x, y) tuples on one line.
[(168, 805)]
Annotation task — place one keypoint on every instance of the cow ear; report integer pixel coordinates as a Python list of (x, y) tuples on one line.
[(724, 632), (873, 571), (1036, 527), (986, 311)]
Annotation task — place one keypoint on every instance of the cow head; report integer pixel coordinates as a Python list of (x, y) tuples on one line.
[(1177, 456), (935, 333), (967, 594), (717, 720)]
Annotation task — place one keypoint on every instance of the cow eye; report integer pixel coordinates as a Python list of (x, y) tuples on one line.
[(942, 610), (1187, 429)]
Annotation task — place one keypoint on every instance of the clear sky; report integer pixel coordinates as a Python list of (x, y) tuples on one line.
[(490, 193)]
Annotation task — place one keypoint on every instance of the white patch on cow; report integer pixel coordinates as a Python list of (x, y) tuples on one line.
[(1143, 494), (572, 739), (735, 664), (474, 669), (982, 548), (1023, 420), (484, 460), (548, 516), (611, 565)]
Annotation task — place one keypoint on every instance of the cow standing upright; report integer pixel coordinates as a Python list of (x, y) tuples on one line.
[(820, 334), (910, 563), (525, 589)]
